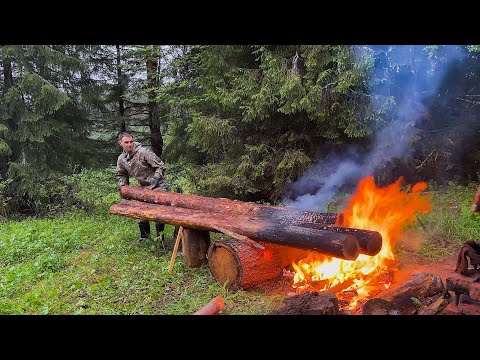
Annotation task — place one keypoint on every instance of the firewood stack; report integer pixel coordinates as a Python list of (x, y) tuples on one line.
[(265, 238)]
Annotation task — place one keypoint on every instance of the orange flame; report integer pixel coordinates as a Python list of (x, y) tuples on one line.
[(387, 210)]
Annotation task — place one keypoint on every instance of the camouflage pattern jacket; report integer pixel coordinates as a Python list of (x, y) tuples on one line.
[(142, 163)]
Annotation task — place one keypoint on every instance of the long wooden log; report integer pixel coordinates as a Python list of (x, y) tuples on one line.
[(237, 265), (370, 242), (280, 214), (344, 246)]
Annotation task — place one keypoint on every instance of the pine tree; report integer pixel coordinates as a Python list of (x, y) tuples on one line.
[(47, 96), (257, 115)]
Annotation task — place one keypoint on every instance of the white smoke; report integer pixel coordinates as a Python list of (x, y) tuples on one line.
[(413, 75)]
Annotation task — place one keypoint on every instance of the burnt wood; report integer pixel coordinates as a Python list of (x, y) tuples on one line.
[(370, 242)]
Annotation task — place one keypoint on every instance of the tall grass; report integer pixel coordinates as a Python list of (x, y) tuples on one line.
[(451, 222)]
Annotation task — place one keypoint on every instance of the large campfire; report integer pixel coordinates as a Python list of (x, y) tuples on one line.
[(334, 262), (388, 210)]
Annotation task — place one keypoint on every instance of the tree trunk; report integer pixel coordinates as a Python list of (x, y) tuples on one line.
[(195, 246), (344, 246), (239, 265), (12, 121), (121, 91), (156, 139)]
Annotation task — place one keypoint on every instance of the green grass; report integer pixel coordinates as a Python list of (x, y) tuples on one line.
[(87, 263), (451, 222)]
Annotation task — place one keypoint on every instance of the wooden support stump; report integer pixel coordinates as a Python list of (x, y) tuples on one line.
[(195, 247), (241, 265)]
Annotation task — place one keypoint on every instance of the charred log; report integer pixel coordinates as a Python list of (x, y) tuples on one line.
[(370, 241), (468, 284), (408, 298), (309, 303), (344, 246)]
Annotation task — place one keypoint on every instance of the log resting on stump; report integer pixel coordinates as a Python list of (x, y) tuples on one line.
[(281, 214), (240, 265), (344, 246)]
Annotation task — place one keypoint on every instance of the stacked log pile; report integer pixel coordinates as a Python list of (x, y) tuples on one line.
[(265, 238)]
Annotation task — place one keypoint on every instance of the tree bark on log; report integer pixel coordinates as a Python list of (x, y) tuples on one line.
[(195, 246), (344, 246), (281, 214), (239, 265)]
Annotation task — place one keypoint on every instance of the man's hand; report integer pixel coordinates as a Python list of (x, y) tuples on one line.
[(154, 182)]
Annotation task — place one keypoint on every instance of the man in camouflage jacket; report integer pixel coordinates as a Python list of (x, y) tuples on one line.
[(143, 164)]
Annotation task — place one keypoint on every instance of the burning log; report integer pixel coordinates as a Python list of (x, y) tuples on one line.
[(344, 246), (240, 266), (370, 242), (279, 214)]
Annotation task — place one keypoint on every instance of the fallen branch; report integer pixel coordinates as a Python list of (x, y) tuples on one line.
[(212, 308)]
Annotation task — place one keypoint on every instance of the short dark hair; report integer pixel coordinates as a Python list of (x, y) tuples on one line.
[(124, 134)]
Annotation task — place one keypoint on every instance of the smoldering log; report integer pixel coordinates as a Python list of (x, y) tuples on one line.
[(370, 241), (344, 246), (420, 286), (238, 265), (280, 214)]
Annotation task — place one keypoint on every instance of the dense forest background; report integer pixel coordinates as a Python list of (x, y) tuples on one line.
[(268, 123)]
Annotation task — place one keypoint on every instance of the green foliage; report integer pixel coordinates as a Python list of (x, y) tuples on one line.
[(46, 104), (91, 190), (252, 117), (96, 190), (451, 222)]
